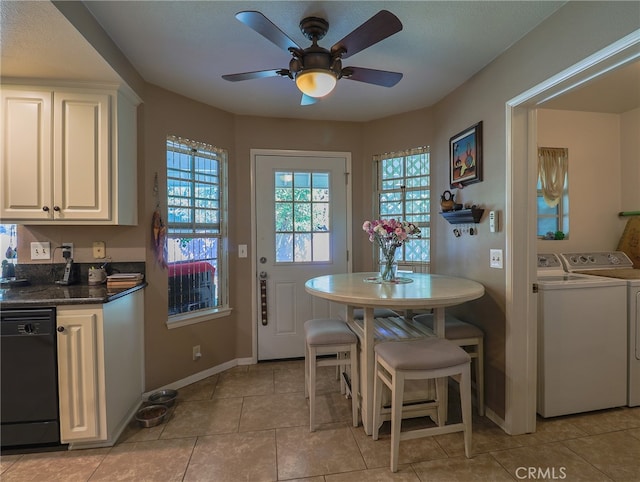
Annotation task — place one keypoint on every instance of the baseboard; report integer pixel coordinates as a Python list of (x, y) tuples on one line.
[(196, 377), (491, 415)]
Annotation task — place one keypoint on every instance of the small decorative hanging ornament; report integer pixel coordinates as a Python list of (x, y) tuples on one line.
[(159, 230)]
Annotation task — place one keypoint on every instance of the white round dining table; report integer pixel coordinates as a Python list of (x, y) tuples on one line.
[(412, 291)]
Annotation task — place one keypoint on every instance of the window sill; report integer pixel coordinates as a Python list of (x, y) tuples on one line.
[(186, 319)]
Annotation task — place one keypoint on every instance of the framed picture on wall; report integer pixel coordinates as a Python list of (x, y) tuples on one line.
[(465, 157)]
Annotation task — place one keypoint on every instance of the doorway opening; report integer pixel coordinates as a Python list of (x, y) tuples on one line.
[(521, 168)]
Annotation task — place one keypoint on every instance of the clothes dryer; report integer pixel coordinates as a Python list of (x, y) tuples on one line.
[(616, 264)]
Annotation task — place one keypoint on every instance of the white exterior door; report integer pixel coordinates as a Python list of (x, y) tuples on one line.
[(302, 215)]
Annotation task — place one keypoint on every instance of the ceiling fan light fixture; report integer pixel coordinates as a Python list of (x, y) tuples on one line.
[(316, 82)]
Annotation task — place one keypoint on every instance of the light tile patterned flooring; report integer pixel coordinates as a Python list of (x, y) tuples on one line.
[(251, 424)]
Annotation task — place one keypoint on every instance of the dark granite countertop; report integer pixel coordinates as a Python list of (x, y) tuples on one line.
[(53, 295)]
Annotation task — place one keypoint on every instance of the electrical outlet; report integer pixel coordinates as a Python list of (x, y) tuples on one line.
[(41, 250), (196, 352), (495, 258), (99, 250), (67, 248)]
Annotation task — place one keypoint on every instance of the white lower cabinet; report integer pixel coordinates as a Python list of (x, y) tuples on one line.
[(100, 369), (81, 373)]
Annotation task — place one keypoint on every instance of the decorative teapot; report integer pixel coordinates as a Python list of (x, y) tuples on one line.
[(447, 202)]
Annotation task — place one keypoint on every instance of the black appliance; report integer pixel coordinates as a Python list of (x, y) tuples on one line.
[(29, 383)]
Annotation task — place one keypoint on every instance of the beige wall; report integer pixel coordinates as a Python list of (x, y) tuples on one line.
[(630, 160), (594, 177), (576, 31), (168, 353)]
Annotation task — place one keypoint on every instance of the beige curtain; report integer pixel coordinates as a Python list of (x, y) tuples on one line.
[(552, 171)]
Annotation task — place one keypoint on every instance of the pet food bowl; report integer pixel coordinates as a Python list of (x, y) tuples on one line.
[(164, 397), (152, 415)]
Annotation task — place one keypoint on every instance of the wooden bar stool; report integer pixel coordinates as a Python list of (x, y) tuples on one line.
[(330, 337), (422, 359), (469, 337)]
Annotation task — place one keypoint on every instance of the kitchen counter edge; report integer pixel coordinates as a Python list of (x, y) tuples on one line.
[(55, 295)]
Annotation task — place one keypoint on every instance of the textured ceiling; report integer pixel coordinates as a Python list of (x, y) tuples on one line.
[(186, 47)]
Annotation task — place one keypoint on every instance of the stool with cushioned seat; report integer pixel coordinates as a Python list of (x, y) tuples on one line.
[(330, 337), (469, 337), (422, 359), (358, 313)]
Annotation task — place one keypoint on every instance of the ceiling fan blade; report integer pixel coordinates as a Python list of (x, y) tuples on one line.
[(259, 74), (372, 76), (265, 27), (308, 100), (382, 25)]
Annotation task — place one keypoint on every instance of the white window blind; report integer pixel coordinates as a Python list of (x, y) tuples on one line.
[(196, 225)]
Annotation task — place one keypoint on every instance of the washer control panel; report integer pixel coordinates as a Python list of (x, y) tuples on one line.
[(549, 261), (595, 260)]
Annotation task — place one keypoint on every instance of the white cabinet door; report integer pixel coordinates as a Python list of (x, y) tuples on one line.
[(68, 156), (81, 374), (82, 182), (26, 155)]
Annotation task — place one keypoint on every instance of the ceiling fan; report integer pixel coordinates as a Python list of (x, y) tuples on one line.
[(315, 69)]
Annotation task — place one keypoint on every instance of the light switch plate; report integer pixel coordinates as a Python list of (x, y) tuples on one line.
[(495, 258), (242, 251), (41, 250)]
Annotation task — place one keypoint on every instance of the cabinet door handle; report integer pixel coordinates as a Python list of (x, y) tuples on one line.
[(60, 329), (56, 208), (45, 208)]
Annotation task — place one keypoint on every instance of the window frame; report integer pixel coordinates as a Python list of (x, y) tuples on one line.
[(295, 229), (425, 227), (222, 308), (561, 214)]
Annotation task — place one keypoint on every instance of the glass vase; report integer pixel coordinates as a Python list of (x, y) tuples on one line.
[(388, 269)]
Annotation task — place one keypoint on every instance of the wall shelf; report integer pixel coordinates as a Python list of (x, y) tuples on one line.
[(463, 216)]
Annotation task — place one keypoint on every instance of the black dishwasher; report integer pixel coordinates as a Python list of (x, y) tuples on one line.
[(29, 382)]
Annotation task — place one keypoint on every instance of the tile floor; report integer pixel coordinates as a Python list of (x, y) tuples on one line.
[(251, 424)]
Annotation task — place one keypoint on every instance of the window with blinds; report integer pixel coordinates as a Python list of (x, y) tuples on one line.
[(403, 191), (196, 225)]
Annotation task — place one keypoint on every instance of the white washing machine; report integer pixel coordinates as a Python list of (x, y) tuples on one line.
[(616, 264), (582, 340)]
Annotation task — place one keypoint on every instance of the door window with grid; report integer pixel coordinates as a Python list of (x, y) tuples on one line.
[(302, 227), (403, 191), (196, 226)]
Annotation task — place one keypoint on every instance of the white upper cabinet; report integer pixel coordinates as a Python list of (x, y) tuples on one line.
[(68, 156)]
